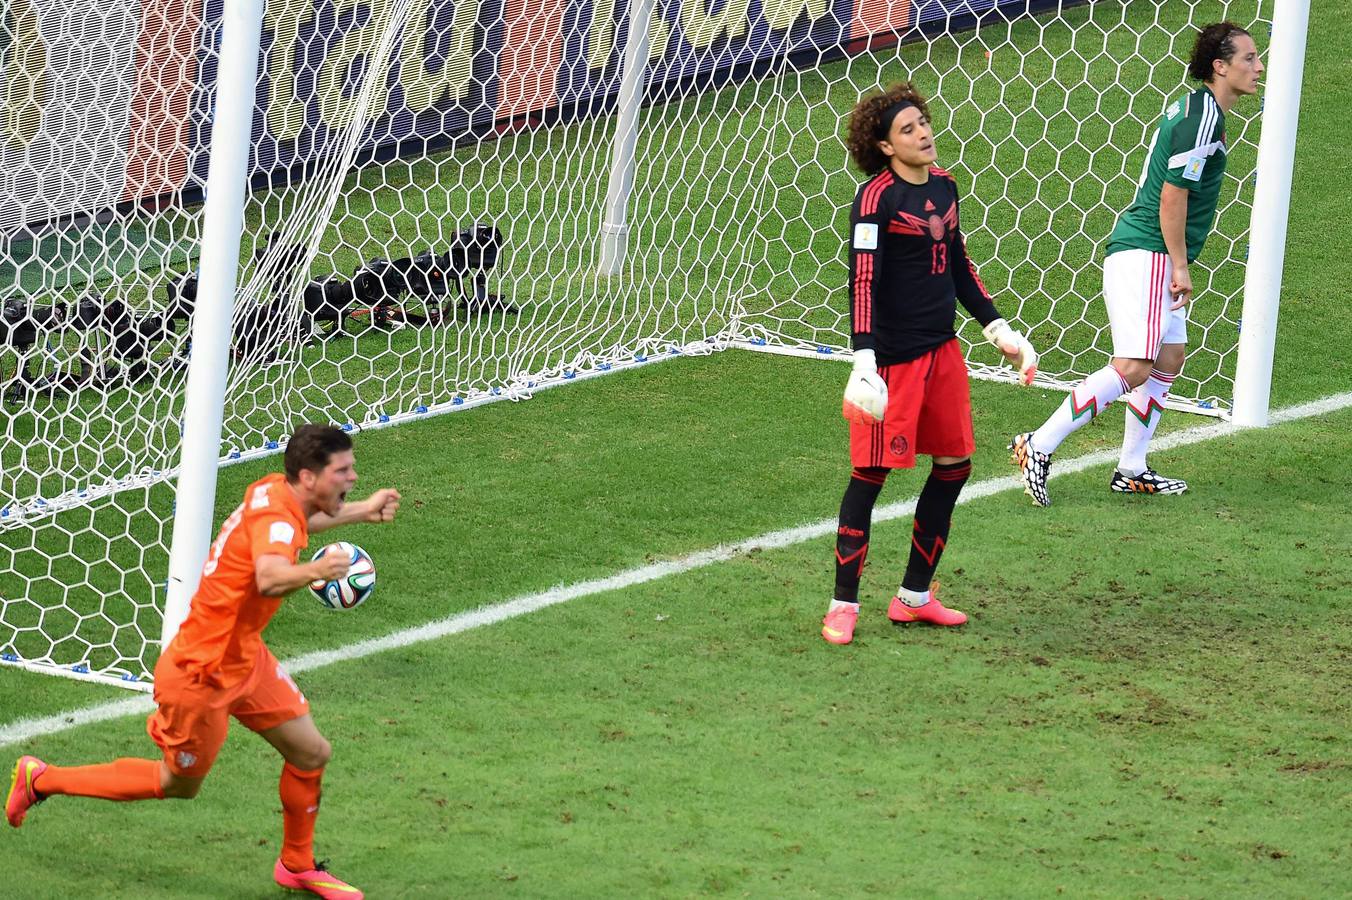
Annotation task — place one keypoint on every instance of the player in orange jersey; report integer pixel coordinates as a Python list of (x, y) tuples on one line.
[(217, 666)]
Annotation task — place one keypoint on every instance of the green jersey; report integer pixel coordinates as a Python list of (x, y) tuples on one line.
[(1187, 150)]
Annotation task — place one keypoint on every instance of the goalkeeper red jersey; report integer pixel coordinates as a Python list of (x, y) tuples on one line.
[(909, 267)]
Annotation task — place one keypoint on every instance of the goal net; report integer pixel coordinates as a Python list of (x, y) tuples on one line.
[(431, 183)]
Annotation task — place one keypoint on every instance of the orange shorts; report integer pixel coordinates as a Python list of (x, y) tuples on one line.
[(192, 718), (929, 411)]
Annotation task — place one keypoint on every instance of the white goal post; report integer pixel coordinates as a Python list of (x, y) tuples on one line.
[(221, 218)]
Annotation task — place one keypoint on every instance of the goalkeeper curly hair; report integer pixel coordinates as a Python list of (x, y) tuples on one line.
[(867, 127)]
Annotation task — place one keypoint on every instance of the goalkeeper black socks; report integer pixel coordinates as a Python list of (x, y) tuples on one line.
[(856, 512), (933, 515)]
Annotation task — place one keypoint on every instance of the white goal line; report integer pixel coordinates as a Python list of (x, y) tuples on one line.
[(24, 730)]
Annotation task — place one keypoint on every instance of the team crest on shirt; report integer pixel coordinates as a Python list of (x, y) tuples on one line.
[(898, 445), (936, 226), (185, 759)]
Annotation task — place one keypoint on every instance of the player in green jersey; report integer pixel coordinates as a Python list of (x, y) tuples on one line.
[(1146, 282)]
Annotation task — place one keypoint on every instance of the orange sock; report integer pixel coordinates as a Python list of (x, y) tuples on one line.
[(300, 808), (122, 779)]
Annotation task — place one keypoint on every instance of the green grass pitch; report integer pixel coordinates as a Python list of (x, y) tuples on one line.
[(1150, 700)]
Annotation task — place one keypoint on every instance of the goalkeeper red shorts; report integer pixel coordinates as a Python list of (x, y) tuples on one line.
[(929, 411), (192, 717)]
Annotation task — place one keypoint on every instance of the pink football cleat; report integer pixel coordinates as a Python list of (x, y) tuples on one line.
[(838, 626), (933, 612), (22, 794), (317, 881)]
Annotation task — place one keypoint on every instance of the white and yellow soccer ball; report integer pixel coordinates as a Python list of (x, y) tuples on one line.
[(354, 588)]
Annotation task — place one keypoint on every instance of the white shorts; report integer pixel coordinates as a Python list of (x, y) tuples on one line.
[(1136, 289)]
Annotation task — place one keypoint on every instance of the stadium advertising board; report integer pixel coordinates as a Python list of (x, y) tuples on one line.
[(123, 126), (467, 69), (93, 103)]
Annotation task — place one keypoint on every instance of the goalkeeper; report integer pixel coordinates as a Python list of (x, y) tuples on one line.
[(908, 392)]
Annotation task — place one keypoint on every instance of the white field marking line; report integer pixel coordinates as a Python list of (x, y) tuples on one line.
[(24, 730)]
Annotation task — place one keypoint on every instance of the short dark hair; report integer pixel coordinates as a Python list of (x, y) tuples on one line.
[(312, 446), (866, 121), (1213, 42)]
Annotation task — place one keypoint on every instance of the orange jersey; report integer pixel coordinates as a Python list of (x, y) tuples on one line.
[(223, 633)]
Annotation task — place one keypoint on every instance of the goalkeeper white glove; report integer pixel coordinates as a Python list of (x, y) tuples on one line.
[(865, 392), (1015, 347)]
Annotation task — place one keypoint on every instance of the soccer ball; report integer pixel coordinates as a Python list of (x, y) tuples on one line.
[(353, 589)]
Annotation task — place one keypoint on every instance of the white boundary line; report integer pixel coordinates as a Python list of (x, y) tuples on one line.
[(1001, 374), (25, 730)]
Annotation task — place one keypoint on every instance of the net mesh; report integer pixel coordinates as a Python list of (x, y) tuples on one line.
[(423, 226)]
